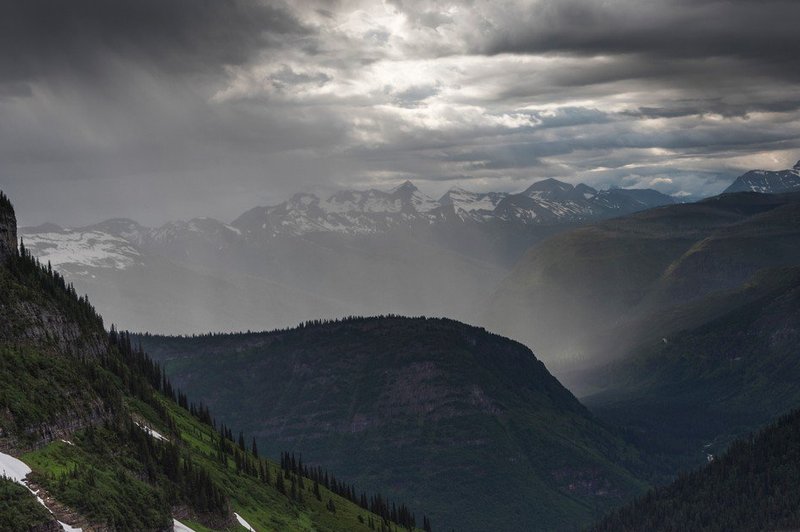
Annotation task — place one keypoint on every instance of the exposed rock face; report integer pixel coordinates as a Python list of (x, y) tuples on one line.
[(46, 326), (8, 227)]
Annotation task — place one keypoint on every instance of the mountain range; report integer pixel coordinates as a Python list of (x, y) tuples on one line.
[(414, 255), (678, 324)]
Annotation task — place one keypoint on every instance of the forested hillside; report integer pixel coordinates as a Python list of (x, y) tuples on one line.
[(468, 424), (753, 486), (112, 444)]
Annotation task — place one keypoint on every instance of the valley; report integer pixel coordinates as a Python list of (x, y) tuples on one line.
[(676, 326)]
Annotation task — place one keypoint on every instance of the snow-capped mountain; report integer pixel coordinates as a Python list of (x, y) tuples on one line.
[(768, 182), (121, 243), (374, 211), (79, 250), (468, 205), (551, 202), (280, 264), (347, 211)]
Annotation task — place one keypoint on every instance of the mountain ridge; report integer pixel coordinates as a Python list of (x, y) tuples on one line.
[(767, 181), (472, 422)]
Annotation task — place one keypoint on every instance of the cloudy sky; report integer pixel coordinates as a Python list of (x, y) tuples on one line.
[(165, 109)]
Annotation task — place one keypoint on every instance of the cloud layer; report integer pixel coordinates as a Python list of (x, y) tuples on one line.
[(161, 109)]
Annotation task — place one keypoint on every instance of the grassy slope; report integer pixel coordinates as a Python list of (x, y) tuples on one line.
[(447, 417), (261, 505)]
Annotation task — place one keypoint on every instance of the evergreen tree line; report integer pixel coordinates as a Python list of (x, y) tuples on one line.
[(377, 504), (753, 486), (295, 479), (35, 276), (308, 324)]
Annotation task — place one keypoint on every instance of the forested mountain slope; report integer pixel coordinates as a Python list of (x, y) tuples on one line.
[(708, 371), (753, 486), (112, 445), (468, 423), (567, 295)]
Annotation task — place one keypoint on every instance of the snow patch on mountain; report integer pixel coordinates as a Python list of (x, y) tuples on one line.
[(466, 203), (94, 249), (244, 523)]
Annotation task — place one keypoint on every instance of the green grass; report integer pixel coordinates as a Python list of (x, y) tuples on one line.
[(94, 476), (261, 505)]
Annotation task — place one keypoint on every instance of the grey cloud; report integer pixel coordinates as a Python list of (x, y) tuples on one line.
[(40, 38), (667, 29), (115, 101)]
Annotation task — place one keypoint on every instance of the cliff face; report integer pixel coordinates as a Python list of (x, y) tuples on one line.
[(37, 321), (44, 326), (8, 227)]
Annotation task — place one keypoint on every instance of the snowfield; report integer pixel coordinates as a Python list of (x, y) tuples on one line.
[(93, 249), (17, 470)]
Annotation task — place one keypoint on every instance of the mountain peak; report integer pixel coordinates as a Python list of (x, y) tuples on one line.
[(549, 185), (407, 186), (767, 181)]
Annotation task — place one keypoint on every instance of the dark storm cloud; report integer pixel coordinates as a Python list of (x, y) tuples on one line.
[(43, 38), (764, 31), (163, 109)]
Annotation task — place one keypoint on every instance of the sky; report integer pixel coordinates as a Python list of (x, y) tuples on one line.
[(170, 109)]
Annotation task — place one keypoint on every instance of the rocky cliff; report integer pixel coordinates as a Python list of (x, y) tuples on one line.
[(8, 227)]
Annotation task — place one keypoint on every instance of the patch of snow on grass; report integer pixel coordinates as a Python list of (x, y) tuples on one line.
[(177, 526), (244, 523), (16, 470), (151, 432)]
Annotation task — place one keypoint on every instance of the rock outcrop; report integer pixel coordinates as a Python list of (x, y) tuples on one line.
[(8, 227)]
